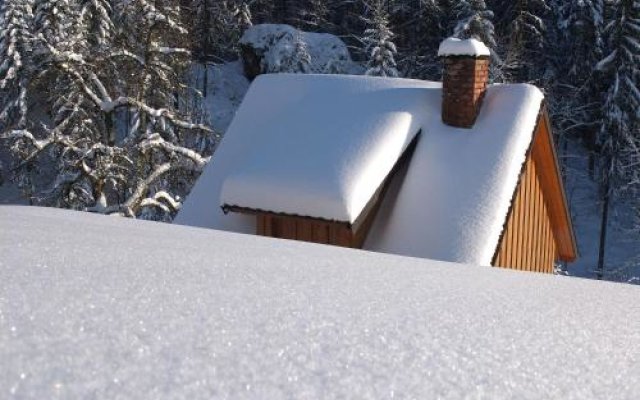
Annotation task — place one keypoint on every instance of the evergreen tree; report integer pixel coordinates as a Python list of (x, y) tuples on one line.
[(202, 32), (16, 39), (55, 22), (315, 16), (95, 21), (526, 47), (474, 21), (300, 59), (423, 30), (618, 137), (378, 43)]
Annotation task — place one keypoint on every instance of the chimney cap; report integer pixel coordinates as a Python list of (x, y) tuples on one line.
[(463, 47)]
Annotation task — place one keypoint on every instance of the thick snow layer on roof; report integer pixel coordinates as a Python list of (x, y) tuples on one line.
[(103, 307), (449, 204), (321, 146), (456, 194), (463, 47)]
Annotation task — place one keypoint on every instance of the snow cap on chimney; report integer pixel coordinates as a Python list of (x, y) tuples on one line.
[(459, 47), (464, 81)]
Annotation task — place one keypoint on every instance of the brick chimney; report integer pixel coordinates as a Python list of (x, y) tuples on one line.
[(464, 81)]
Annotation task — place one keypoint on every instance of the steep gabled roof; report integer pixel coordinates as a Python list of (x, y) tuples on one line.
[(449, 203)]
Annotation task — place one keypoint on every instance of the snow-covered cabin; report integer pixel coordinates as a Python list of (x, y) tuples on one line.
[(460, 171)]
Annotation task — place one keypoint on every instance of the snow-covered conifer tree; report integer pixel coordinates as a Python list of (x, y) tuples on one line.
[(242, 13), (619, 134), (378, 44), (55, 21), (423, 31), (527, 39), (95, 20), (16, 38), (300, 59), (315, 16), (202, 27), (474, 21)]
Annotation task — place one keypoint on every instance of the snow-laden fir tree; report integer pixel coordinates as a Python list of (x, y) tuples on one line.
[(378, 43), (95, 21), (580, 47), (289, 55), (423, 32), (118, 131), (241, 11), (202, 32), (16, 19), (526, 47), (619, 136), (55, 21), (299, 60), (583, 28), (314, 16), (474, 21), (216, 26)]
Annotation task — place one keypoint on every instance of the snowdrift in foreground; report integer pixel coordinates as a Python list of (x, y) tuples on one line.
[(101, 307)]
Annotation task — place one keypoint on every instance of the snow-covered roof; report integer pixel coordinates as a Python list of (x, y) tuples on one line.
[(104, 307), (323, 146), (463, 47), (449, 204)]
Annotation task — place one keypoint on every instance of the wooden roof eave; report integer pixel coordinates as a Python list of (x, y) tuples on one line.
[(544, 153)]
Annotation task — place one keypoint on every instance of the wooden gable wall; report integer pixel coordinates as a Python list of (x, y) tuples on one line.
[(528, 243), (538, 230)]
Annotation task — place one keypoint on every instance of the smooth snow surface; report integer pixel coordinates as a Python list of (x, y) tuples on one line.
[(449, 204), (459, 47), (108, 308), (322, 144)]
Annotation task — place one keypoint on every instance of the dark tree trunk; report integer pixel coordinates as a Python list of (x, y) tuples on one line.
[(205, 80), (603, 231)]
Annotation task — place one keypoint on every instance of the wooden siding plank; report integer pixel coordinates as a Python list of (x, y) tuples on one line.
[(260, 225), (536, 219), (320, 232), (532, 218), (513, 262), (304, 230), (526, 257), (510, 262), (500, 257), (520, 246), (542, 216), (521, 221), (288, 228), (548, 243), (268, 225)]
